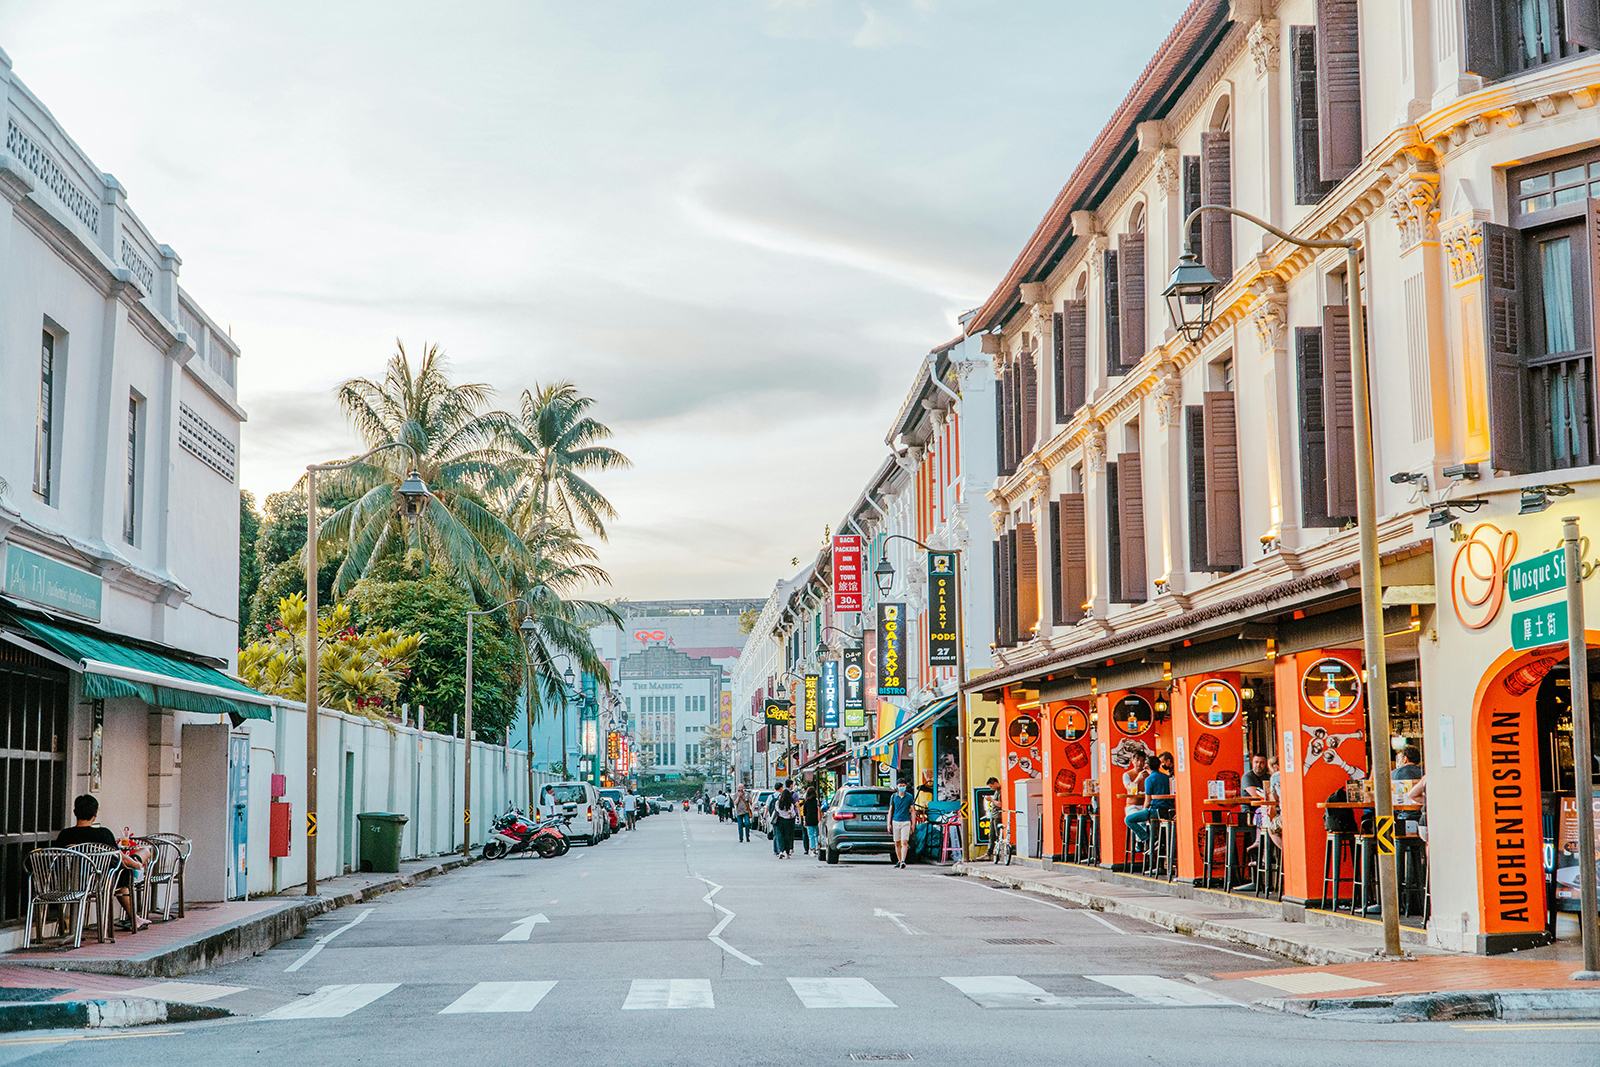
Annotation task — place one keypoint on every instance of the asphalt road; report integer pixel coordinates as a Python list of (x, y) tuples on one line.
[(677, 945)]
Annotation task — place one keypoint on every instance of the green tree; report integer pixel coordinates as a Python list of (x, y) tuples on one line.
[(435, 607), (458, 452), (279, 558), (556, 442), (249, 566)]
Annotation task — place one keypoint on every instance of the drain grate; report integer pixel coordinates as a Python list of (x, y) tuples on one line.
[(997, 918), (1018, 941), (880, 1055)]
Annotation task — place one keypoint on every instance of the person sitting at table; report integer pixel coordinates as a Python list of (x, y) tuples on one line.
[(1157, 784), (1408, 765), (1253, 783), (1274, 820), (1133, 781), (85, 809), (1418, 794)]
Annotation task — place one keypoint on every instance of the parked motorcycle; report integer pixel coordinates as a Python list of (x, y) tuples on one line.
[(514, 832)]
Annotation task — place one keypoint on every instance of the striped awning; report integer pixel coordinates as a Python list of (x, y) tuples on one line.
[(882, 745)]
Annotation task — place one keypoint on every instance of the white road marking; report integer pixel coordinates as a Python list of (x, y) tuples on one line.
[(1059, 907), (898, 918), (839, 993), (332, 1001), (1113, 927), (1198, 943), (653, 993), (494, 997), (1153, 989), (524, 928), (1006, 991), (322, 941), (715, 936), (183, 992)]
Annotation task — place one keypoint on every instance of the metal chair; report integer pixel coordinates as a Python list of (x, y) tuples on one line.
[(162, 872), (184, 847), (61, 878), (107, 863)]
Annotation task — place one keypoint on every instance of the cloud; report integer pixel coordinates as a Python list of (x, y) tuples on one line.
[(877, 31)]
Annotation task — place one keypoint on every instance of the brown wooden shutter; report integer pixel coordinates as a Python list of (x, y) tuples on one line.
[(1484, 50), (1112, 305), (1052, 544), (1338, 411), (1224, 534), (1130, 502), (1027, 581), (999, 427), (1009, 384), (1012, 634), (999, 596), (1075, 324), (1309, 188), (1030, 401), (1338, 88), (1216, 187), (1130, 297), (1058, 366), (1191, 200), (1194, 432), (1511, 424), (1313, 439), (1074, 558), (1581, 20), (1113, 537)]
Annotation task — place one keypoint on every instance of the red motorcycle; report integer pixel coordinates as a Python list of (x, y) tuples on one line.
[(514, 832)]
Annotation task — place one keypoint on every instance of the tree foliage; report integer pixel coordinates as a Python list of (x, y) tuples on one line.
[(249, 566)]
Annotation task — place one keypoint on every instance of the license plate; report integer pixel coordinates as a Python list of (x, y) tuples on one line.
[(872, 818)]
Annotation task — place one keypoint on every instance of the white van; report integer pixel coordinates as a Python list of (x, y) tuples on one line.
[(581, 800)]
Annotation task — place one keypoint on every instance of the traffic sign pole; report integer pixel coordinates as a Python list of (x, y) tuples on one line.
[(1582, 759)]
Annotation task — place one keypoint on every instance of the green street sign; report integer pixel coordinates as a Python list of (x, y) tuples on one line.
[(1542, 574), (42, 581), (1537, 627)]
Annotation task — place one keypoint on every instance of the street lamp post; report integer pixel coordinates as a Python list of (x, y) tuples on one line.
[(526, 629), (1192, 288), (413, 491)]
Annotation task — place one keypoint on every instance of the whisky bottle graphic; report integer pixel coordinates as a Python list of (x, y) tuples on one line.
[(1330, 698), (1215, 715), (1133, 720)]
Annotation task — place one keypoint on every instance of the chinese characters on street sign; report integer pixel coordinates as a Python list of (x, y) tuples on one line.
[(891, 650), (811, 702), (855, 687), (1539, 626), (944, 627), (846, 573)]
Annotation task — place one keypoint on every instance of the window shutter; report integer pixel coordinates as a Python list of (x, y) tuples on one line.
[(1511, 426), (1058, 367), (1313, 439), (1582, 22), (1052, 542), (1224, 533), (1130, 298), (1000, 426), (1027, 581), (1485, 54), (1195, 446), (1130, 498), (1113, 537), (1338, 88), (1074, 553), (1012, 636), (1338, 411), (1113, 328), (999, 596), (1191, 199), (1075, 324), (1216, 187), (1309, 188), (1009, 384), (1029, 368)]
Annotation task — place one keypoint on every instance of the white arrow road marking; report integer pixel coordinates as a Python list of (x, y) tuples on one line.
[(839, 993), (1153, 989), (898, 918), (524, 928), (651, 993), (715, 936), (323, 940), (486, 997), (332, 1001)]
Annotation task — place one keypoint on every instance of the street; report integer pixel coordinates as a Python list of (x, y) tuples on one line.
[(675, 944)]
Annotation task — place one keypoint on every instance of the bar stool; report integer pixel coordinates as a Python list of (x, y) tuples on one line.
[(1211, 835), (1167, 847), (1237, 832), (1413, 875), (1269, 868), (1089, 852), (1339, 846), (1363, 893)]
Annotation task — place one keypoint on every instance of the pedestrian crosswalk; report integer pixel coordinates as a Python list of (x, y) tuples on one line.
[(814, 993)]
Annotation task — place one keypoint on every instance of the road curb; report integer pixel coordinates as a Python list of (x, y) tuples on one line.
[(225, 944), (96, 1014), (1299, 951), (1520, 1005)]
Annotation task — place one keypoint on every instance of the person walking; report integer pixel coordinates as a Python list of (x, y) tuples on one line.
[(810, 812), (741, 812), (902, 813), (630, 808), (786, 814)]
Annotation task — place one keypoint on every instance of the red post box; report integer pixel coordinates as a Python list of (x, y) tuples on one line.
[(279, 838)]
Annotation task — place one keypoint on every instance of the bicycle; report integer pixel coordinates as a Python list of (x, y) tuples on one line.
[(1001, 850)]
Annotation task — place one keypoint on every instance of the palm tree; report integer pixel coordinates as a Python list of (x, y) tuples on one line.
[(556, 442), (458, 453)]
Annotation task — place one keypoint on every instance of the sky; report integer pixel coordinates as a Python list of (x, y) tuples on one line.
[(739, 225)]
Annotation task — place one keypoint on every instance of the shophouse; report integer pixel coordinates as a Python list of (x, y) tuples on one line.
[(1176, 556), (753, 681)]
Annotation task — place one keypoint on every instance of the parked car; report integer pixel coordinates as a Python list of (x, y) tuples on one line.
[(613, 812), (581, 800), (761, 810), (613, 794), (855, 824)]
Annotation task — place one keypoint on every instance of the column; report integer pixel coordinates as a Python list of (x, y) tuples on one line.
[(1168, 467)]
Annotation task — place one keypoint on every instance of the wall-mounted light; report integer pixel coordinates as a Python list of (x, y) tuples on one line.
[(1161, 707), (1536, 498), (1247, 693)]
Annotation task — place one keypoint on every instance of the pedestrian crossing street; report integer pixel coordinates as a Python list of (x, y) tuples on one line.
[(654, 994)]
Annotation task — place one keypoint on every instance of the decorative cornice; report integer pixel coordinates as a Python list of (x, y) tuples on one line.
[(1168, 395), (1167, 170), (1462, 240), (1094, 448), (1539, 94), (1271, 318), (1263, 42), (1414, 203)]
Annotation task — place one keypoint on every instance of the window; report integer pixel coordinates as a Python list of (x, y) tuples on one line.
[(1130, 528), (44, 445), (1215, 527), (1322, 504), (1191, 200), (1113, 306), (130, 498), (1072, 552), (1216, 187), (1506, 37), (1130, 294), (1338, 80), (1309, 188)]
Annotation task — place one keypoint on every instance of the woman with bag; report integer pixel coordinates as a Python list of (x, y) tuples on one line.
[(786, 815)]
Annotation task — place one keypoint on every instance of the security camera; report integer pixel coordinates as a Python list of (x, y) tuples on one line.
[(1467, 471)]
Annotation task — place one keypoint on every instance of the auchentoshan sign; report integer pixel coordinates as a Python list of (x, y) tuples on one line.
[(42, 581)]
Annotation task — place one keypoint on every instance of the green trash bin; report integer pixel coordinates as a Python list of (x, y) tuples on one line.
[(380, 840)]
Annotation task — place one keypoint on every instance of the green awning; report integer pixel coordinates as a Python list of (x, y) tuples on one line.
[(111, 669)]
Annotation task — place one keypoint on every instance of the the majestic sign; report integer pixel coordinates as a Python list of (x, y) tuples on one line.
[(944, 624), (830, 694), (855, 687), (891, 650), (846, 573)]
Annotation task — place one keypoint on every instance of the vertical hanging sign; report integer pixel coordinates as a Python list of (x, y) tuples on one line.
[(891, 650), (830, 694), (846, 573), (811, 703), (944, 628), (855, 687)]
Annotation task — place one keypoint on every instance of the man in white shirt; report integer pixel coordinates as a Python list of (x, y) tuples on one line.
[(630, 807)]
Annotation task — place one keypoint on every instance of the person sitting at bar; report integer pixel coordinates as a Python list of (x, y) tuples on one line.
[(1408, 765), (1157, 790), (1253, 783)]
